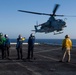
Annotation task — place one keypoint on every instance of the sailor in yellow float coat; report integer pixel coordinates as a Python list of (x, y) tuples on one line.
[(66, 47)]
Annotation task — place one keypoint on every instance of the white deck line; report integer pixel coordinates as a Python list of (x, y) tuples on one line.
[(24, 43)]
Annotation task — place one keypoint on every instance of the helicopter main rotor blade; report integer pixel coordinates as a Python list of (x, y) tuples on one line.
[(59, 15), (34, 12), (38, 13), (69, 15), (65, 15), (55, 8)]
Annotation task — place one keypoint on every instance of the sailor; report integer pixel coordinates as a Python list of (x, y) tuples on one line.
[(7, 45), (31, 42), (66, 47), (19, 46), (2, 42)]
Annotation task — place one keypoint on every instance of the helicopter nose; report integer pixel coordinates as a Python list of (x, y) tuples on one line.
[(64, 24)]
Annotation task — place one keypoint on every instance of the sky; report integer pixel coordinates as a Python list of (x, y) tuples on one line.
[(14, 23)]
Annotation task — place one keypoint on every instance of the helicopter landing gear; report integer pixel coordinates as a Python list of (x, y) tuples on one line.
[(57, 33)]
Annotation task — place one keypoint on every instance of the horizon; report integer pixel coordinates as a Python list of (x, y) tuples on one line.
[(14, 23)]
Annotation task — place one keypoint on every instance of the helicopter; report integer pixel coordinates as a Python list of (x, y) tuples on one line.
[(52, 24)]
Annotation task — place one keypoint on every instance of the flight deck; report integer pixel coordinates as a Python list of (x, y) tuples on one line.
[(45, 62)]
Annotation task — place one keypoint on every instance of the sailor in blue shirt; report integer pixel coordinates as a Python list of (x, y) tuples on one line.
[(31, 42), (19, 47), (7, 45)]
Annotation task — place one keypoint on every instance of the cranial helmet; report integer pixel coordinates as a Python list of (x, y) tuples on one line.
[(20, 36), (6, 35), (32, 34), (67, 36)]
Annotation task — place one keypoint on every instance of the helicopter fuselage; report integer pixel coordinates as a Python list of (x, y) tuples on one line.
[(51, 25)]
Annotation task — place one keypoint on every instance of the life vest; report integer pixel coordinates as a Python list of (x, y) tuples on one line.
[(67, 43)]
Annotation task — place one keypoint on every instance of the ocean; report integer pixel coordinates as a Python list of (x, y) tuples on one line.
[(47, 41)]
